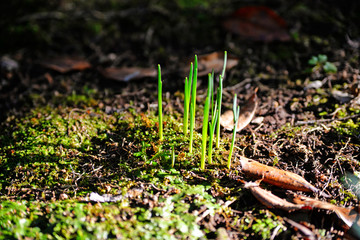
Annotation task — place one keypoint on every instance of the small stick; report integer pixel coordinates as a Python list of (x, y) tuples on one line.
[(298, 123)]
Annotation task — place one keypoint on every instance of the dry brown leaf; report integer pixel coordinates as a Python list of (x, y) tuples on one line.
[(269, 199), (66, 64), (258, 23), (347, 215), (274, 176), (213, 61), (125, 74), (246, 114)]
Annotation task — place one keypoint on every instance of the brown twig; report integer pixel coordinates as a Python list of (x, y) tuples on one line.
[(298, 123)]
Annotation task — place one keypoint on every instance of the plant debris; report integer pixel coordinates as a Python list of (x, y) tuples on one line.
[(65, 64), (258, 23), (126, 74), (247, 112)]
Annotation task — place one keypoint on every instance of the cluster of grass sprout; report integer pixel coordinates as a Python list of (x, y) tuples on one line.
[(212, 110)]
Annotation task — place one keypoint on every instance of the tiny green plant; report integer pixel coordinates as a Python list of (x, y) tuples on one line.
[(206, 121), (187, 94), (236, 111), (219, 100), (321, 62), (193, 104), (160, 104)]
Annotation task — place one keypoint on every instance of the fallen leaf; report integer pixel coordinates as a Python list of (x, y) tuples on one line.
[(314, 85), (348, 215), (342, 97), (213, 61), (95, 197), (131, 193), (65, 64), (63, 196), (258, 23), (126, 74), (246, 114), (353, 43), (8, 65), (269, 199), (274, 176), (257, 120)]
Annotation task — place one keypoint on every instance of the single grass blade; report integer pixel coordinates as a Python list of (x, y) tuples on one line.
[(193, 104), (219, 100), (205, 123), (160, 104), (236, 110)]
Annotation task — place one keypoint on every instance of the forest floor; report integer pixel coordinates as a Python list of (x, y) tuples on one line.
[(80, 155)]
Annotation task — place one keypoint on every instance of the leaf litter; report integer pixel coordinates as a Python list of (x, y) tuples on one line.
[(126, 74), (258, 23), (274, 176), (64, 64), (247, 112)]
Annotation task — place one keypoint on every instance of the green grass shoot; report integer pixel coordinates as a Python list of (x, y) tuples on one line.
[(236, 111), (206, 121), (219, 100), (214, 118), (187, 93), (160, 104), (193, 104)]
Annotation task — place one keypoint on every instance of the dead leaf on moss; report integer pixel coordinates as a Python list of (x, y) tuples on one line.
[(125, 74), (270, 200), (258, 23), (274, 176), (65, 64), (246, 114)]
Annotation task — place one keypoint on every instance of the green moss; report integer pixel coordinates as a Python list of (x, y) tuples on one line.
[(348, 128), (43, 149), (260, 224), (171, 217)]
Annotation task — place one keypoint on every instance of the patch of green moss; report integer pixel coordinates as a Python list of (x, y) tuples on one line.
[(171, 217), (42, 150), (348, 128), (260, 224)]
